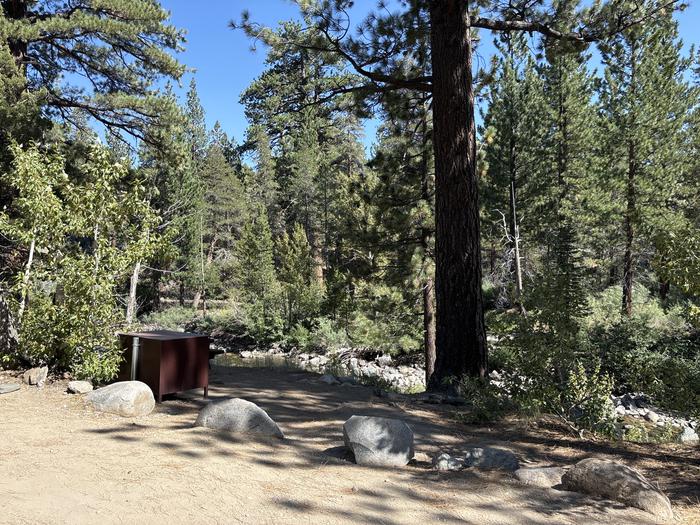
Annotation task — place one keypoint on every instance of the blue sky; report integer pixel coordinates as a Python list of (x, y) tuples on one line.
[(225, 65)]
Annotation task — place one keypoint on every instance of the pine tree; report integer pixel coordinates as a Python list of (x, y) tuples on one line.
[(256, 278), (121, 47), (375, 53), (302, 292), (645, 100), (513, 147)]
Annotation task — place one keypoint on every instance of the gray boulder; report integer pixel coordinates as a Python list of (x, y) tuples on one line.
[(540, 476), (613, 480), (688, 436), (36, 376), (379, 441), (79, 387), (126, 398), (239, 416), (447, 462), (488, 458)]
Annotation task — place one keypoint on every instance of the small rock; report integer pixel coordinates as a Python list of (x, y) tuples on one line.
[(36, 376), (8, 387), (488, 458), (384, 360), (447, 462), (613, 480), (688, 436), (540, 476), (125, 398), (379, 441), (652, 416), (620, 410), (79, 387)]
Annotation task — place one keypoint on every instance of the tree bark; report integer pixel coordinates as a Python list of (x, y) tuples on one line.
[(429, 327), (628, 264), (460, 332), (16, 10), (131, 302), (25, 282)]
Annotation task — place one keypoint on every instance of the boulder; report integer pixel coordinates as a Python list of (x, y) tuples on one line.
[(126, 398), (540, 476), (613, 480), (36, 376), (447, 462), (488, 458), (238, 416), (79, 387), (379, 441), (8, 387), (688, 436)]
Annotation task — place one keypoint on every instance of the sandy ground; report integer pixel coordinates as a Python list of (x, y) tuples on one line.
[(61, 462)]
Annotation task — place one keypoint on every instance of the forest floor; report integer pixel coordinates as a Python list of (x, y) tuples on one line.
[(61, 462)]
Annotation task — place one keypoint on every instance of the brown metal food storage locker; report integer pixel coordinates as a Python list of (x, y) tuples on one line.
[(167, 361)]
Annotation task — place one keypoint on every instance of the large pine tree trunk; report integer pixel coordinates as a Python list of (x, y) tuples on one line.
[(628, 262), (429, 327), (460, 333)]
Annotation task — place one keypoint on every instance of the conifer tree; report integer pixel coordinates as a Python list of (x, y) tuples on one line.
[(256, 278), (120, 47), (375, 55), (646, 101), (302, 292)]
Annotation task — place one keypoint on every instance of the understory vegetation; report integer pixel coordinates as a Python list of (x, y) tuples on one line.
[(120, 207)]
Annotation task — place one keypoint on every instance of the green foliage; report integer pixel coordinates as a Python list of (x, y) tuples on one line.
[(128, 49), (260, 290), (93, 231), (302, 292), (486, 401), (655, 351)]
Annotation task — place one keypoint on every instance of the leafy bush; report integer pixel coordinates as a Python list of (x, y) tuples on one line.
[(83, 237), (487, 403)]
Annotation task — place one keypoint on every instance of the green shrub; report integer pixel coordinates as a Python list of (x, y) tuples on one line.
[(487, 403), (656, 351)]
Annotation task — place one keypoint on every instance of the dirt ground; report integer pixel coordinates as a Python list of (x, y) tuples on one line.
[(61, 462)]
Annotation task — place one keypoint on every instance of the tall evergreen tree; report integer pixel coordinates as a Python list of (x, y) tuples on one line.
[(645, 100)]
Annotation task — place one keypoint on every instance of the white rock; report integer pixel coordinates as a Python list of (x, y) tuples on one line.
[(126, 398), (79, 387)]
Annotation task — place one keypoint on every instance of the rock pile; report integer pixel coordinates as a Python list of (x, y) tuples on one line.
[(639, 406)]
